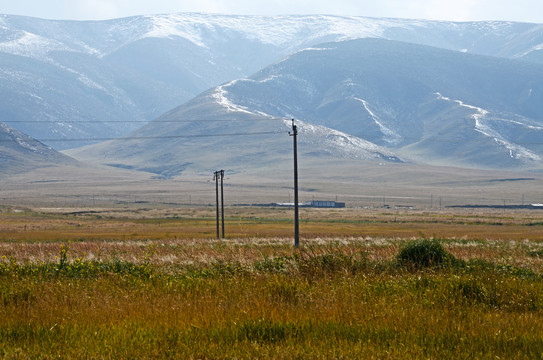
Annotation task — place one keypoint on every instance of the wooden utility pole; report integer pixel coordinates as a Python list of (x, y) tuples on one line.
[(216, 178), (294, 133), (216, 175), (222, 202)]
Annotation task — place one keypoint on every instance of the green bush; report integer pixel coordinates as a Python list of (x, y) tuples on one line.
[(424, 253)]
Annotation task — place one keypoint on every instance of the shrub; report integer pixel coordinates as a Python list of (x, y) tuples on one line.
[(424, 253)]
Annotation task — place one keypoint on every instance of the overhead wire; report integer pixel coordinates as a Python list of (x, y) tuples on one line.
[(170, 136), (141, 121), (155, 137), (165, 137), (126, 138), (277, 119)]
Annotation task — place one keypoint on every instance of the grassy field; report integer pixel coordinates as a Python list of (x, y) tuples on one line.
[(155, 283)]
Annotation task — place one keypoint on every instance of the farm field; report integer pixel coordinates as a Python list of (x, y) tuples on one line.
[(129, 282)]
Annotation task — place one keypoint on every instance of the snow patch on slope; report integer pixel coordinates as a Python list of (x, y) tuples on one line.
[(38, 47), (482, 126), (531, 50), (340, 144), (221, 97), (31, 45), (19, 138), (168, 26), (521, 124), (391, 136)]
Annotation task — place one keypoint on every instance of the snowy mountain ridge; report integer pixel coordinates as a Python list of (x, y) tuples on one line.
[(33, 36), (274, 30)]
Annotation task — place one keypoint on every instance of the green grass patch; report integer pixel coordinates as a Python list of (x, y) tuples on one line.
[(423, 253)]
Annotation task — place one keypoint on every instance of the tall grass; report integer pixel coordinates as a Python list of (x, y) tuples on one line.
[(321, 302)]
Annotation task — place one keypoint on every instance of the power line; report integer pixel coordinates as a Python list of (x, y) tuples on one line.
[(403, 138), (139, 121), (155, 137), (433, 139)]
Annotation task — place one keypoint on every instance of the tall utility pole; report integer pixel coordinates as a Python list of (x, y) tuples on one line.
[(216, 178), (294, 133), (222, 202), (216, 175)]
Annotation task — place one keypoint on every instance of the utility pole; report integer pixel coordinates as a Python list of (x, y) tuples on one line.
[(294, 133), (216, 178), (222, 202), (216, 175)]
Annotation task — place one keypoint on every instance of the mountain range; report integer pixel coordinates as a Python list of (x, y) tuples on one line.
[(358, 99), (443, 93)]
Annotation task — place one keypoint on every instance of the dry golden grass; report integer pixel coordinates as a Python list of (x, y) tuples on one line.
[(45, 225), (180, 235), (141, 283)]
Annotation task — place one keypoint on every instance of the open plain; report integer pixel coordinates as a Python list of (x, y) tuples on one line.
[(105, 264), (145, 282)]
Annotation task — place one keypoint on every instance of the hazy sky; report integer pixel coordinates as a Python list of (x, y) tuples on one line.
[(455, 10)]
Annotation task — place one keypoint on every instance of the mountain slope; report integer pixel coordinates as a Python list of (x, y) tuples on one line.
[(421, 103), (19, 153), (206, 134), (89, 79), (410, 98)]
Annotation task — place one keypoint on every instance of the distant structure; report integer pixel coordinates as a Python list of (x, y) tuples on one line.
[(325, 204), (313, 203)]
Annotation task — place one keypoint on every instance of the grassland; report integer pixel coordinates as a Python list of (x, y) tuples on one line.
[(148, 283)]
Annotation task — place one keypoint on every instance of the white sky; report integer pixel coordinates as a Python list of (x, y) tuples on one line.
[(454, 10)]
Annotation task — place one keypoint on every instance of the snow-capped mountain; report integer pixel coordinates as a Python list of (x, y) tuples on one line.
[(357, 99), (427, 104), (36, 38), (101, 79)]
